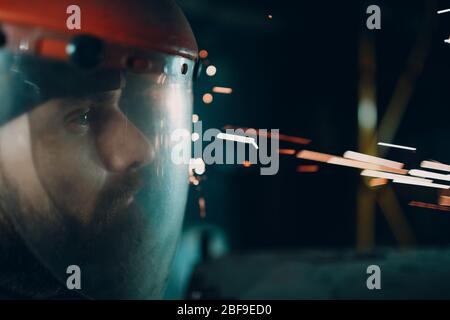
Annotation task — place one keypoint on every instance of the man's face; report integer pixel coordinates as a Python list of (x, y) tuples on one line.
[(81, 182), (102, 153), (87, 157), (88, 180)]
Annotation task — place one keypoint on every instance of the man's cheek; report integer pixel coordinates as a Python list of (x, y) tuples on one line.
[(72, 177)]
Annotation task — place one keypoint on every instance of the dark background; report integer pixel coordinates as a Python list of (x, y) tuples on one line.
[(299, 72)]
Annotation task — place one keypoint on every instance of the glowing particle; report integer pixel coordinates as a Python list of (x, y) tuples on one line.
[(211, 71), (287, 151), (197, 166), (193, 180), (443, 11), (203, 54), (202, 207), (195, 136), (208, 98), (222, 90)]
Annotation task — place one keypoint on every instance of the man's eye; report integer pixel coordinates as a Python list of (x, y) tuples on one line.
[(79, 119), (84, 119)]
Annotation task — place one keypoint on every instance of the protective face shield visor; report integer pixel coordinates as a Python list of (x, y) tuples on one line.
[(87, 176)]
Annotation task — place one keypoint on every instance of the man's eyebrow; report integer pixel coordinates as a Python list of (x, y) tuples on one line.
[(108, 96), (70, 103)]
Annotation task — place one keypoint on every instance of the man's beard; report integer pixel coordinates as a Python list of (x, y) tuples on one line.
[(116, 221), (116, 204), (22, 273)]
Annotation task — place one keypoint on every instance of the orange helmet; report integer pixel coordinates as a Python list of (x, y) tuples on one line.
[(157, 26), (88, 108)]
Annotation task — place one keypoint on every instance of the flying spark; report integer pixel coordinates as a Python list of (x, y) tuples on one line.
[(435, 166), (236, 138), (423, 184), (281, 137), (444, 201), (443, 11), (392, 176), (428, 206), (431, 175), (327, 158), (222, 90), (202, 207), (308, 169), (371, 159), (290, 152), (390, 145)]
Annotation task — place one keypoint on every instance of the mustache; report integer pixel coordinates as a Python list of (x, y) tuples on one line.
[(125, 185), (114, 199)]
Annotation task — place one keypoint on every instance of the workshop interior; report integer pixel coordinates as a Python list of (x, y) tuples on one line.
[(314, 138), (316, 72)]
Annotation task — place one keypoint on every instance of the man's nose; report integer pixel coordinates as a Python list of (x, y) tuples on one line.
[(122, 146)]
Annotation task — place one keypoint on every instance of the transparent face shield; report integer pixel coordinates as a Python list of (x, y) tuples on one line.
[(87, 177)]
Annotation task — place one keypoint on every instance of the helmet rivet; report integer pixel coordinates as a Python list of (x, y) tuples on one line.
[(86, 51), (184, 68)]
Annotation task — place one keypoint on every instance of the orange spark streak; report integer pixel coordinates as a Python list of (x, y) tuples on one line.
[(327, 158), (222, 90), (201, 205), (428, 206), (287, 151), (281, 137), (371, 159), (307, 168), (444, 201), (435, 166), (376, 182)]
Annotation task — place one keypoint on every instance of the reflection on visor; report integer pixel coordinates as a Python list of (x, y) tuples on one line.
[(88, 176), (32, 82)]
